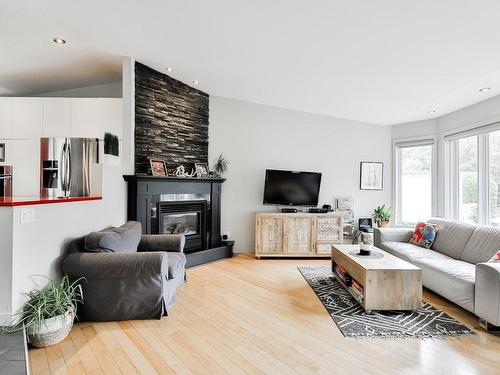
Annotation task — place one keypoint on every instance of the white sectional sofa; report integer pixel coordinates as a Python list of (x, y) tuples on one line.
[(456, 266)]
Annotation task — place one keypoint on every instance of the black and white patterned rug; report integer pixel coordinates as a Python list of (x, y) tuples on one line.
[(353, 322)]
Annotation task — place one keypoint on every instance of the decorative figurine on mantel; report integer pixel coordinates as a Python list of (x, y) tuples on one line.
[(180, 171), (221, 165)]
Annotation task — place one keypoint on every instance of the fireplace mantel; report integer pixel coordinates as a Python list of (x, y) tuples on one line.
[(147, 177), (145, 193)]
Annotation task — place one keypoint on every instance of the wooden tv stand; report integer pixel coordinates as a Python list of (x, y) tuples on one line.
[(297, 234)]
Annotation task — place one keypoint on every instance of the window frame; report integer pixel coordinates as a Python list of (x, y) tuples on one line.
[(397, 146), (451, 171)]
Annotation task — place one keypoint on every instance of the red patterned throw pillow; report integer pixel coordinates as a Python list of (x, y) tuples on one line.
[(424, 235), (496, 257)]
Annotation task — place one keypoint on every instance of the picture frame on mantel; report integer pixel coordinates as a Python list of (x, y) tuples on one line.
[(158, 167), (201, 170), (371, 175)]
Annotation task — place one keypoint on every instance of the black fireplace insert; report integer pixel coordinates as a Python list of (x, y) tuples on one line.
[(185, 217)]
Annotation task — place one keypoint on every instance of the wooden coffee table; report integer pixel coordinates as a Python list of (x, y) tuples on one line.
[(389, 283)]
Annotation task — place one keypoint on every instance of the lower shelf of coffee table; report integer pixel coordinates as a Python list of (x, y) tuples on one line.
[(388, 284), (341, 282)]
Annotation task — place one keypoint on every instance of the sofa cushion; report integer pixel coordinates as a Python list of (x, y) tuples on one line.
[(424, 235), (176, 265), (124, 239), (410, 252), (451, 237), (482, 245), (451, 278)]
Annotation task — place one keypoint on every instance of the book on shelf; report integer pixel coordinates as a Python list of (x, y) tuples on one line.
[(356, 293), (342, 274), (345, 279), (342, 270), (357, 285)]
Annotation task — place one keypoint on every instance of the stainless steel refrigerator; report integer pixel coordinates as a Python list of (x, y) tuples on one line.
[(66, 166)]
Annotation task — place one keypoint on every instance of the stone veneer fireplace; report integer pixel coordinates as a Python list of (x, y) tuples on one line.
[(172, 205)]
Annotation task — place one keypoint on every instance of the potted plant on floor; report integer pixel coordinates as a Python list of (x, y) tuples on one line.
[(49, 312), (382, 216)]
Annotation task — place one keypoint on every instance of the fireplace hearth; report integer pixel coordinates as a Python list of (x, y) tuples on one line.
[(172, 205)]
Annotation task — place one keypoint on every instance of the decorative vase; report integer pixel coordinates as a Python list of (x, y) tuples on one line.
[(51, 331), (365, 243)]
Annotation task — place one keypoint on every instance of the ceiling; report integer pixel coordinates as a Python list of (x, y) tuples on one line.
[(379, 61)]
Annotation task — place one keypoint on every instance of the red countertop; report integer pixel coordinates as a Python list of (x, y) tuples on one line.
[(28, 201)]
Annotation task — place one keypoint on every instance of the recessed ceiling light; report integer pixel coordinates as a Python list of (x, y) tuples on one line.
[(485, 89), (431, 111), (196, 82), (59, 41), (170, 69)]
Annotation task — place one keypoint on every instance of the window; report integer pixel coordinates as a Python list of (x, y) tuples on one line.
[(473, 175), (468, 180), (414, 181), (494, 177)]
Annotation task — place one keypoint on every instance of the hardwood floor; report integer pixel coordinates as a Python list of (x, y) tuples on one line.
[(248, 316)]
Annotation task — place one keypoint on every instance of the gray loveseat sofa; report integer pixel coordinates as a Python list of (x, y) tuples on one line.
[(456, 266), (128, 275)]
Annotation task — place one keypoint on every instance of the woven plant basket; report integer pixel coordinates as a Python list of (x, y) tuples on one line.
[(51, 331)]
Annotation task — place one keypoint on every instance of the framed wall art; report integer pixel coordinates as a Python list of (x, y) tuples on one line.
[(371, 175)]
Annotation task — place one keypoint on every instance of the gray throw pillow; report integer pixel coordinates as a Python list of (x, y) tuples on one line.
[(124, 239)]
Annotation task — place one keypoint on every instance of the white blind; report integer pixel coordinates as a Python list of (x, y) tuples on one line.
[(415, 143), (473, 131)]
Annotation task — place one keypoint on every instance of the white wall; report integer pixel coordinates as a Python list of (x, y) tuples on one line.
[(6, 232), (414, 129), (105, 90), (255, 137)]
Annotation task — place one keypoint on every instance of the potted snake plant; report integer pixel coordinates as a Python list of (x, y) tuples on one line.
[(48, 313), (382, 216)]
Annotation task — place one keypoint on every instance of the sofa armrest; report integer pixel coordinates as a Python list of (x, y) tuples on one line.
[(162, 242), (487, 292), (116, 265), (381, 235)]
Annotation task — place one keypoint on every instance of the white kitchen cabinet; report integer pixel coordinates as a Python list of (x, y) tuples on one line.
[(24, 156), (91, 118), (85, 118), (27, 118), (110, 112), (56, 120), (5, 118)]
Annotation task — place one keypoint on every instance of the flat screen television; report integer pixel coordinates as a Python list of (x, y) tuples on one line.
[(291, 188)]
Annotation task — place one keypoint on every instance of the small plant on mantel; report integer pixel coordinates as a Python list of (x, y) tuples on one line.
[(382, 216), (49, 312), (221, 165)]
